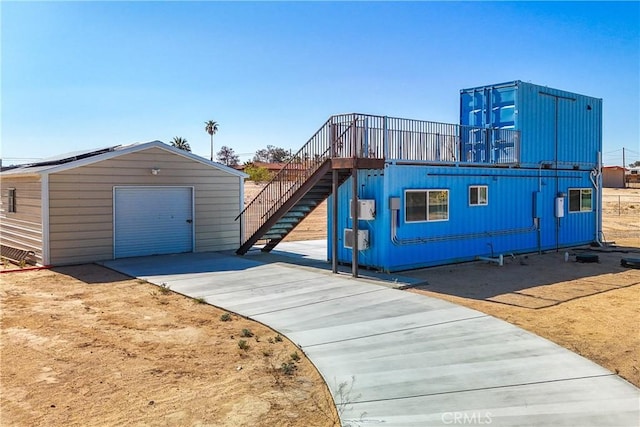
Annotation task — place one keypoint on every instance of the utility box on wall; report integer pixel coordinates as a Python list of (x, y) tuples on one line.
[(366, 209), (363, 239)]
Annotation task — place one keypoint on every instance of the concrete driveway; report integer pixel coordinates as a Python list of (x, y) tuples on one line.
[(407, 359)]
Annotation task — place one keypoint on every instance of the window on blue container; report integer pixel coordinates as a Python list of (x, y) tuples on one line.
[(426, 205), (478, 195), (580, 200)]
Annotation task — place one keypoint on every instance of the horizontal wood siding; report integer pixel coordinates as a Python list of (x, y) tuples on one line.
[(22, 229), (81, 203)]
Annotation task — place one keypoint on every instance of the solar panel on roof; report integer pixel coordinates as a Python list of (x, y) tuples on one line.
[(69, 157)]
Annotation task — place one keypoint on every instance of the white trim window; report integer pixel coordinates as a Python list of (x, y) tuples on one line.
[(11, 206), (478, 195), (580, 200), (426, 205)]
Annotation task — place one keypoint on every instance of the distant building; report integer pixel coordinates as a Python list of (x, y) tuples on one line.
[(632, 175), (613, 177)]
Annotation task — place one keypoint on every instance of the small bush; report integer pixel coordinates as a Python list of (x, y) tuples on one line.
[(165, 289), (295, 356), (246, 333), (278, 338), (200, 300), (243, 345), (288, 368), (267, 353), (226, 317)]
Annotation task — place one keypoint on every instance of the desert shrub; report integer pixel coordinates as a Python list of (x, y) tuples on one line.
[(258, 174), (288, 368)]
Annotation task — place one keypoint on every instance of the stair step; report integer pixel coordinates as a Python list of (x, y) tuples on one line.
[(285, 220), (296, 214), (271, 236), (301, 209), (281, 228)]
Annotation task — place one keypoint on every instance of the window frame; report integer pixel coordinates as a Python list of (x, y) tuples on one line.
[(581, 193), (486, 195), (11, 203), (427, 192)]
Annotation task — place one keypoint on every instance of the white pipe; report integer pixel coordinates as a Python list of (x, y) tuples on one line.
[(596, 176), (499, 260)]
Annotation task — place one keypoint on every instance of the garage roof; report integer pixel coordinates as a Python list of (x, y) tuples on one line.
[(82, 158)]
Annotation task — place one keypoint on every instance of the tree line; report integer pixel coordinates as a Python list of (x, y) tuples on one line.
[(227, 156)]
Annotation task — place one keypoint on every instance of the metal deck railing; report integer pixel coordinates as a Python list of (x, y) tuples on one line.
[(365, 136)]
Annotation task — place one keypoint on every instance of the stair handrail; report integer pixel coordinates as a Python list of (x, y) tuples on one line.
[(274, 177), (306, 161)]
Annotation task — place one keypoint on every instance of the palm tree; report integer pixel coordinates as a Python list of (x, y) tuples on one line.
[(181, 143), (211, 127)]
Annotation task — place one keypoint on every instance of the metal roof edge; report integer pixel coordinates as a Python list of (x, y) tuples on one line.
[(200, 159), (519, 83), (497, 85)]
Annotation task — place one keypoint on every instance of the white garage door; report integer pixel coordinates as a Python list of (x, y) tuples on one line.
[(152, 221)]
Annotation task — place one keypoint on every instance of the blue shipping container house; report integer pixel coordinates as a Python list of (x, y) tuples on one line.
[(520, 173)]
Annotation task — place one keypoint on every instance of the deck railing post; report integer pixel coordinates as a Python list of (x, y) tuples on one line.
[(332, 140), (385, 138)]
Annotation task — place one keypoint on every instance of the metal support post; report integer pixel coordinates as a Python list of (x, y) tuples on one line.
[(354, 217), (334, 221)]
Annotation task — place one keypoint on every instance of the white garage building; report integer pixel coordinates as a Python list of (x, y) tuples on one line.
[(122, 201)]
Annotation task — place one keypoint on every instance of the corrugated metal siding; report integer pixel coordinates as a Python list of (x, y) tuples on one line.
[(81, 203), (22, 229), (505, 225), (540, 113)]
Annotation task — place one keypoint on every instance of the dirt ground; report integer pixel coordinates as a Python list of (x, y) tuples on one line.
[(87, 346)]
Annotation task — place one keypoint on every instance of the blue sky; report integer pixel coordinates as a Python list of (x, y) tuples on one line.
[(79, 75)]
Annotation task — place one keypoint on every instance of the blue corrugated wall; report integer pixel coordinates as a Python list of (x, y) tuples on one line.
[(560, 144), (554, 125), (505, 225)]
